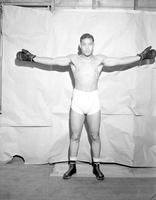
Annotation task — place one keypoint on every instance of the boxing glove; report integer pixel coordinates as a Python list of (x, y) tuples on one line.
[(149, 58), (143, 54), (25, 55), (151, 54)]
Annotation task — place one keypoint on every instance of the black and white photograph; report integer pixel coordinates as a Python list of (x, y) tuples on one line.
[(78, 100)]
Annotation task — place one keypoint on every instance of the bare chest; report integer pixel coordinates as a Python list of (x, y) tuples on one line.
[(86, 67)]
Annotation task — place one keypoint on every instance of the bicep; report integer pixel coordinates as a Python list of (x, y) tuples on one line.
[(62, 61), (111, 61)]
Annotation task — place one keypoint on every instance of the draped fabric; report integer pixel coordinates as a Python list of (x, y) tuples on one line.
[(36, 98)]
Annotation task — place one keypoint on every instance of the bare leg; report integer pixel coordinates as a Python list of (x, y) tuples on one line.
[(94, 127), (76, 123)]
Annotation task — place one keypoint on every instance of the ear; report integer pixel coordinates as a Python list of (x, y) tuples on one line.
[(79, 50)]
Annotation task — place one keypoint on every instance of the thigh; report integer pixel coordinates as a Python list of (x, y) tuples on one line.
[(93, 122), (76, 122)]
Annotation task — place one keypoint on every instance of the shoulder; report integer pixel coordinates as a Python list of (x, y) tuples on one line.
[(100, 56), (72, 56)]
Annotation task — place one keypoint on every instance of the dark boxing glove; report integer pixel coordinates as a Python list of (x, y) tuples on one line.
[(147, 56), (143, 55), (151, 54), (25, 55)]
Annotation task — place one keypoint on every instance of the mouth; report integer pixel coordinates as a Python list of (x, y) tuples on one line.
[(87, 55), (87, 52)]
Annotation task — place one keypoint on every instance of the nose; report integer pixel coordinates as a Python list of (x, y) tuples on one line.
[(87, 48)]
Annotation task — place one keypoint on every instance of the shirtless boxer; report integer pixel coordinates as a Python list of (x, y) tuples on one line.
[(86, 69)]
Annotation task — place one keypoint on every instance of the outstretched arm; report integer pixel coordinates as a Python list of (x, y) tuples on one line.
[(110, 61), (25, 55), (62, 61), (123, 63)]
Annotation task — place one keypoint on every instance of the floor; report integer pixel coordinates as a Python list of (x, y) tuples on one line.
[(19, 181)]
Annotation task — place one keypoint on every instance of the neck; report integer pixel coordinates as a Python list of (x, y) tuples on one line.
[(87, 57)]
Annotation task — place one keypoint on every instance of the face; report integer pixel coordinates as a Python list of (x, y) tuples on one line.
[(87, 46)]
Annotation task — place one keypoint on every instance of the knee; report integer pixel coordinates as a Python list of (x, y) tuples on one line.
[(75, 137), (95, 137)]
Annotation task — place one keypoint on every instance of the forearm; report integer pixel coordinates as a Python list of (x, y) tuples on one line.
[(25, 55), (43, 60), (123, 63), (128, 60), (110, 62)]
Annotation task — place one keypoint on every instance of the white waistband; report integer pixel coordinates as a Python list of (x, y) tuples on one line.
[(85, 92)]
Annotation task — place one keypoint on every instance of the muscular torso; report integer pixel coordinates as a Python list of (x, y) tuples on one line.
[(86, 71)]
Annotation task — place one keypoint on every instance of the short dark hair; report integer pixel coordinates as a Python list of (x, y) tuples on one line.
[(86, 35)]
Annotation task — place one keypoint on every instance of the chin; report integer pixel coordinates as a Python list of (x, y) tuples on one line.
[(87, 55)]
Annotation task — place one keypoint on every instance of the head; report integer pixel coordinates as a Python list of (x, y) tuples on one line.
[(86, 45)]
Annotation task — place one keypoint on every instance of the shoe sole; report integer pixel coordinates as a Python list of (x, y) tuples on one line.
[(100, 179), (68, 177)]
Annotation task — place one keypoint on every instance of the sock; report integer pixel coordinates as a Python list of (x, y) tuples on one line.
[(96, 160), (73, 159)]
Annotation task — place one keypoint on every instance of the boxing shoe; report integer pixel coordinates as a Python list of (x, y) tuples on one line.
[(71, 170), (97, 172)]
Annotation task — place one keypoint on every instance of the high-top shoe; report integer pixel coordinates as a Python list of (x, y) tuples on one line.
[(97, 172), (71, 170)]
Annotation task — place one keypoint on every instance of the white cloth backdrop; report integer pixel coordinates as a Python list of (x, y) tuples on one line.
[(36, 101)]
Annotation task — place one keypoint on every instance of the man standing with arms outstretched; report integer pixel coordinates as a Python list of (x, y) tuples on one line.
[(86, 69)]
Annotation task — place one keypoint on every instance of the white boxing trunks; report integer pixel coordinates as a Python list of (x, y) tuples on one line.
[(85, 102)]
